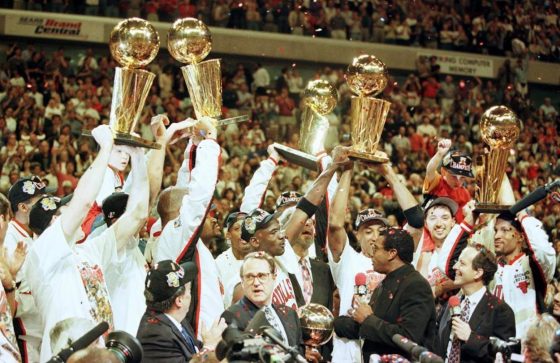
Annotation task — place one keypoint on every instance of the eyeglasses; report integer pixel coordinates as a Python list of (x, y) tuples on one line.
[(262, 277)]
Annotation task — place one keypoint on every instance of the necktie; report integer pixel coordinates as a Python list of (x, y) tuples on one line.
[(307, 281), (272, 319), (189, 340), (455, 353)]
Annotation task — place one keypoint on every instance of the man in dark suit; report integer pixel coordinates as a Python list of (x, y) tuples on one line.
[(402, 304), (164, 332), (255, 309), (465, 338)]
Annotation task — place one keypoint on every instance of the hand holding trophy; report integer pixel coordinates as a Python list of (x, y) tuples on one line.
[(319, 98), (367, 77), (499, 128), (189, 41), (134, 43)]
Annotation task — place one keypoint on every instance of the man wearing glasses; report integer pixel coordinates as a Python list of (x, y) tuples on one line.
[(258, 274)]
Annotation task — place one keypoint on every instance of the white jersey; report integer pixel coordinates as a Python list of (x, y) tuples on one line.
[(179, 240), (344, 272), (126, 279), (228, 268), (27, 316), (515, 283), (69, 283)]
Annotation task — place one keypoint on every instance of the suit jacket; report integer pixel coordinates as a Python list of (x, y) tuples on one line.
[(402, 304), (247, 316), (491, 317), (323, 284), (162, 341)]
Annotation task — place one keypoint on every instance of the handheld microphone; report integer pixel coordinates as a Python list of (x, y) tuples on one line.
[(534, 197), (81, 343), (270, 333), (455, 306), (360, 287)]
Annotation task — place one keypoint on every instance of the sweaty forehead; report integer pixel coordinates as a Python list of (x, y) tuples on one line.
[(438, 211)]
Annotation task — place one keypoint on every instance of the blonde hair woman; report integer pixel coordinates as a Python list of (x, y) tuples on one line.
[(539, 338)]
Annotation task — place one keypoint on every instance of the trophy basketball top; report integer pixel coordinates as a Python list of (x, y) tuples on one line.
[(189, 40), (134, 43), (367, 76), (320, 96), (317, 324), (500, 127)]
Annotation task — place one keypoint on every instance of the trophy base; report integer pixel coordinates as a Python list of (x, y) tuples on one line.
[(297, 157), (130, 140), (379, 157), (491, 208)]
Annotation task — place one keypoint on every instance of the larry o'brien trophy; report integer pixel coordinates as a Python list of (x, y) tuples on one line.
[(317, 324), (499, 128), (134, 43), (189, 41), (319, 98), (367, 77)]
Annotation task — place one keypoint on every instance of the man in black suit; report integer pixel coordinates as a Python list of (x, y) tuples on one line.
[(164, 332), (402, 304), (255, 309), (482, 314)]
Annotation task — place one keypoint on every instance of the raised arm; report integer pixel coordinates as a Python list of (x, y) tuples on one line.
[(433, 164), (254, 192), (137, 206), (89, 184), (410, 206), (337, 234)]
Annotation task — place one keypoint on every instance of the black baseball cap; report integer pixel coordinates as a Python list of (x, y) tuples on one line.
[(286, 198), (445, 201), (370, 215), (114, 205), (232, 218), (25, 189), (256, 220), (511, 218), (42, 212), (458, 163), (167, 277)]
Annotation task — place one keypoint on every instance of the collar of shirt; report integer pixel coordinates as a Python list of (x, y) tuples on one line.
[(175, 322), (474, 299)]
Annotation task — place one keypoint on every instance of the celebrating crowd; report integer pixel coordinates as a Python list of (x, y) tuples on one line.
[(490, 27), (216, 231)]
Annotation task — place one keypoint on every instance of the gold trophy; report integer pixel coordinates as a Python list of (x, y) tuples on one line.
[(319, 98), (134, 43), (189, 41), (499, 128), (367, 77), (317, 325)]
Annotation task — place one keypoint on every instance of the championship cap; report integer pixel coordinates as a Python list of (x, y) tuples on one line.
[(25, 189), (256, 220), (445, 201), (370, 215), (288, 198), (167, 277), (458, 163)]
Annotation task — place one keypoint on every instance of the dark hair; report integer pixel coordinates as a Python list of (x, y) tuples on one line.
[(401, 241), (4, 206), (485, 260), (165, 305)]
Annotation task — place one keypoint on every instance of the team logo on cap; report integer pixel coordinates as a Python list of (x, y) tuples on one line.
[(48, 204), (28, 187), (250, 225), (366, 216), (174, 277), (290, 197)]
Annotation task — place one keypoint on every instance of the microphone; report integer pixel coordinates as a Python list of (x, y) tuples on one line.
[(81, 343), (455, 306), (416, 352), (271, 333), (360, 286), (534, 197)]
